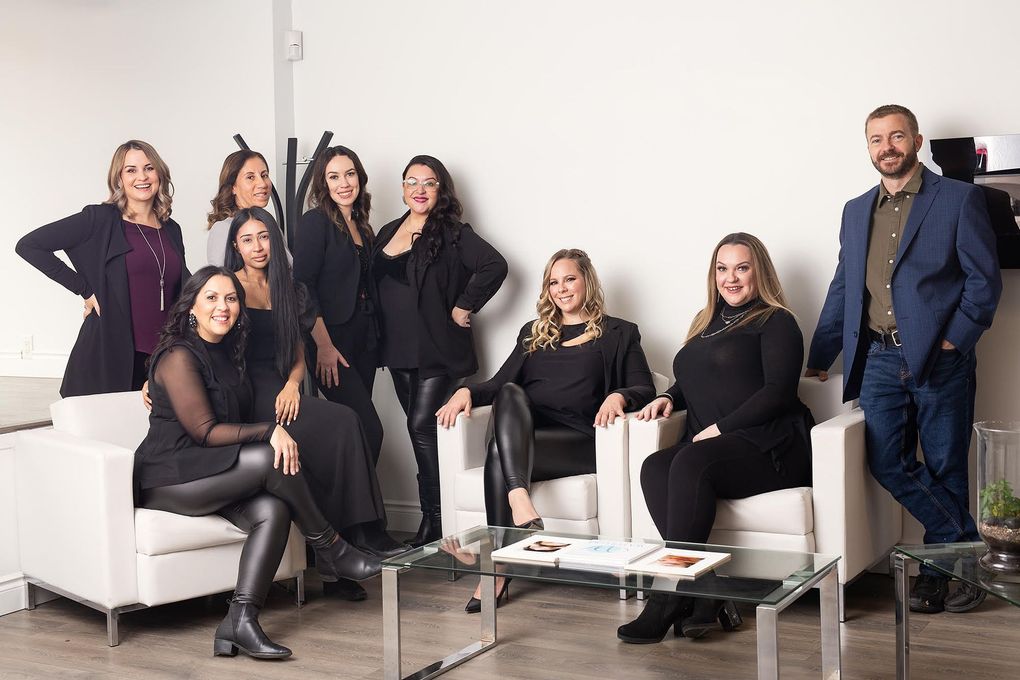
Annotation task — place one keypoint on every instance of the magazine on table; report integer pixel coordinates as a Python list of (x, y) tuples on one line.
[(576, 553), (679, 563), (538, 549)]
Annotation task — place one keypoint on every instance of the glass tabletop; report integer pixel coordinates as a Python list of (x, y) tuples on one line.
[(750, 575), (960, 561)]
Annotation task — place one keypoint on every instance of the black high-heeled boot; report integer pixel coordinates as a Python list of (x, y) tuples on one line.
[(339, 559), (661, 612), (240, 630), (709, 615), (431, 527)]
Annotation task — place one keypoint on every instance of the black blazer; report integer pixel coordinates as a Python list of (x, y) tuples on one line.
[(326, 261), (102, 358), (624, 363), (466, 273)]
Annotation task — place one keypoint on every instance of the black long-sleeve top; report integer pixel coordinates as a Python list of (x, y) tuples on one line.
[(622, 364), (743, 380), (197, 425)]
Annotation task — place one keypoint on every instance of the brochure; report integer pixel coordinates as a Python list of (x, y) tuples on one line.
[(538, 549), (678, 562), (604, 554)]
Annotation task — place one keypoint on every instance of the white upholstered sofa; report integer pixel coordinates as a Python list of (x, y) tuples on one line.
[(81, 536), (845, 512)]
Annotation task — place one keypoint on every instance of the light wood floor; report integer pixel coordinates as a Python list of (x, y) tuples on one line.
[(25, 402), (545, 632)]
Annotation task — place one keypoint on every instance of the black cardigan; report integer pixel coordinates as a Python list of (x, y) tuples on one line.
[(102, 358), (626, 369), (465, 274), (326, 261)]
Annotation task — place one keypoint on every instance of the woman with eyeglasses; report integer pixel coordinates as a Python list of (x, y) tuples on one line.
[(333, 258), (433, 273), (746, 433), (127, 264)]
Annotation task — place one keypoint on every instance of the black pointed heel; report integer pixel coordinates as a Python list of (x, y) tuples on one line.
[(474, 605)]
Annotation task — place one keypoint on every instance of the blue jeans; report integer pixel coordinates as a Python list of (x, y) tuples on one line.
[(896, 412)]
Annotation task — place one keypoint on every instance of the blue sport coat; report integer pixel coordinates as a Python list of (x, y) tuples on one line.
[(945, 281)]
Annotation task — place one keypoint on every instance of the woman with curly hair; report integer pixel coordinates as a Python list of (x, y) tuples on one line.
[(127, 264), (572, 369), (333, 258), (433, 272), (204, 454)]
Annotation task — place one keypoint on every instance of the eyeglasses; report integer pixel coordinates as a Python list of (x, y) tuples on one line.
[(413, 183)]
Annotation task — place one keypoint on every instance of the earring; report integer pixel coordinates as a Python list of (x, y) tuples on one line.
[(239, 323), (192, 320)]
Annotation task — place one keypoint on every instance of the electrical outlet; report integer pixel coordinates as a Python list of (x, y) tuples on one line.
[(26, 347)]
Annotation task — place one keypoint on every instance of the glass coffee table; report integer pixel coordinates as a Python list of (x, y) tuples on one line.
[(769, 579), (955, 560)]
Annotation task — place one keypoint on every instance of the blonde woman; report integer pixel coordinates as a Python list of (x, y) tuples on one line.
[(573, 368), (747, 432), (127, 264)]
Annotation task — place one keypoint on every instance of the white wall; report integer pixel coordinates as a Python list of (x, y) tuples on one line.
[(79, 78), (645, 131)]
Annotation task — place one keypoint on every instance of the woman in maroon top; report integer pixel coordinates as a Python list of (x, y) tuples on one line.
[(127, 264)]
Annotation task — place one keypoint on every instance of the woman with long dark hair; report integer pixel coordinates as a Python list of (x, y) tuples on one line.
[(244, 183), (433, 273), (572, 369), (746, 433), (203, 454), (333, 258), (335, 452), (127, 264)]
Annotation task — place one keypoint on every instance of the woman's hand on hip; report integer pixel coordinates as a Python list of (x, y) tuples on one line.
[(326, 368), (611, 409), (286, 450), (709, 432), (660, 407), (90, 304), (288, 402), (461, 317), (460, 401), (146, 399)]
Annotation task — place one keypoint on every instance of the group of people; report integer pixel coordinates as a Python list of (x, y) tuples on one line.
[(221, 355)]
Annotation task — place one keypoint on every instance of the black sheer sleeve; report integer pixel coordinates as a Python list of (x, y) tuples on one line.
[(782, 353), (179, 374)]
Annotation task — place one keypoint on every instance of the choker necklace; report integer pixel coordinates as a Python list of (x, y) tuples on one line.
[(160, 266), (727, 322)]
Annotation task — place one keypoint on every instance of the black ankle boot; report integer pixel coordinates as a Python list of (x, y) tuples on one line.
[(240, 630), (372, 538), (661, 612), (340, 559), (709, 615), (431, 527)]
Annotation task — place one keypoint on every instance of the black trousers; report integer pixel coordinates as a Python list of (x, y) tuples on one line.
[(256, 498), (681, 484), (527, 447), (421, 398), (356, 340)]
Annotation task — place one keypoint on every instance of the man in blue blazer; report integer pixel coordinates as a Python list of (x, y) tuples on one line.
[(916, 285)]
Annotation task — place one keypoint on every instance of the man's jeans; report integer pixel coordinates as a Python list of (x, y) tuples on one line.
[(897, 411)]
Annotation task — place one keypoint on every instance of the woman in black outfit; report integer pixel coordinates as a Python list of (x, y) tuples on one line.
[(433, 272), (128, 266), (335, 454), (333, 258), (203, 455), (746, 433), (573, 367)]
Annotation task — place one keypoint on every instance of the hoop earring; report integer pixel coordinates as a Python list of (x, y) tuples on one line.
[(192, 320)]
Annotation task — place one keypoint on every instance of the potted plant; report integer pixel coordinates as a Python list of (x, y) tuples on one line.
[(998, 507)]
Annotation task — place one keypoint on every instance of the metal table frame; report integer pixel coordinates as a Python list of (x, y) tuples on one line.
[(766, 616)]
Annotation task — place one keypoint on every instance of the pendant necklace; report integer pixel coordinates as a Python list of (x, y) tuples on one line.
[(161, 267), (727, 322)]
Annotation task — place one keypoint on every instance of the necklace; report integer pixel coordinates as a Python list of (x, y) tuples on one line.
[(160, 266), (727, 322)]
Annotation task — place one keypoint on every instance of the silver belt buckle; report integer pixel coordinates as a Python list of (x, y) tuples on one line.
[(894, 335)]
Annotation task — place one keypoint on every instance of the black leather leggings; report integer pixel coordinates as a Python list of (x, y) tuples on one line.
[(258, 499), (421, 398), (526, 447)]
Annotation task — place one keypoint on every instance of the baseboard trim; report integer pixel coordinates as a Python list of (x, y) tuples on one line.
[(39, 365), (14, 593), (402, 516)]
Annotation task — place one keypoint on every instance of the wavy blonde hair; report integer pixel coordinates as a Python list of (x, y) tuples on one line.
[(545, 331), (770, 291), (161, 205)]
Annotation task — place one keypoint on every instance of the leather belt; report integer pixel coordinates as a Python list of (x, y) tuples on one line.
[(887, 338)]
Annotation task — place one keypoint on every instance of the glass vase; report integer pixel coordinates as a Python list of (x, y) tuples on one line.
[(998, 478)]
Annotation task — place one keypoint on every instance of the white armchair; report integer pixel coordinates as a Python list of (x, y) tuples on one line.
[(845, 512), (588, 504), (81, 536)]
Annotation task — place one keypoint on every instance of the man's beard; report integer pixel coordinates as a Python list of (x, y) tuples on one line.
[(907, 164)]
